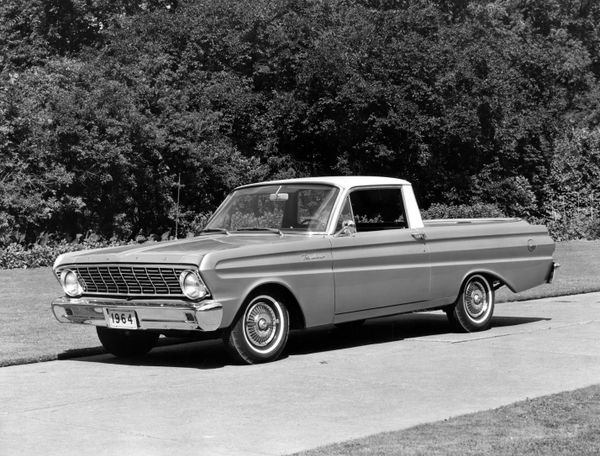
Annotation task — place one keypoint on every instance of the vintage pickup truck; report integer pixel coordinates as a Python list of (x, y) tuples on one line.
[(295, 254)]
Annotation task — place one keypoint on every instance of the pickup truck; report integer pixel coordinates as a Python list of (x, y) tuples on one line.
[(300, 253)]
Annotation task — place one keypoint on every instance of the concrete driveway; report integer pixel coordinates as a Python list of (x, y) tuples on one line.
[(393, 373)]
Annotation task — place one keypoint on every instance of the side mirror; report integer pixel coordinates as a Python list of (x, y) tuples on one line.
[(348, 228)]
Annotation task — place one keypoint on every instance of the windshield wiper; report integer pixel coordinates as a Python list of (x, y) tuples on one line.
[(214, 230), (260, 228)]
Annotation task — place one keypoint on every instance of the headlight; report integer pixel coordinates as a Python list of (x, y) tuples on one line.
[(70, 283), (192, 285)]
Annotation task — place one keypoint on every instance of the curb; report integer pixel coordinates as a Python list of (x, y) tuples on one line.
[(80, 353), (69, 354)]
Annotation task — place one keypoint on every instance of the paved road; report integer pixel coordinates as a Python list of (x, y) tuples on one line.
[(394, 373)]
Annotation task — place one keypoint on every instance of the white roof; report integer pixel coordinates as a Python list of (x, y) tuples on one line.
[(339, 181)]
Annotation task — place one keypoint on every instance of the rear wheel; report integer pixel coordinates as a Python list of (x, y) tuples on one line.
[(261, 332), (124, 343), (475, 305)]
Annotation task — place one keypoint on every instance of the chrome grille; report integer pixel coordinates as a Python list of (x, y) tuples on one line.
[(130, 280)]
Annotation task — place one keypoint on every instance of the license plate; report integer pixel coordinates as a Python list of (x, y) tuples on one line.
[(121, 319)]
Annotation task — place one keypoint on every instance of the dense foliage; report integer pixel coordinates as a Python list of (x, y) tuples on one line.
[(105, 105), (13, 256)]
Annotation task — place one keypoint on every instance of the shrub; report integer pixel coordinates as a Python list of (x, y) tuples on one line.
[(576, 226), (15, 255), (573, 188), (190, 223), (452, 211), (513, 196)]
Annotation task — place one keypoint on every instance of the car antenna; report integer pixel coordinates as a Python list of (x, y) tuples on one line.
[(177, 207)]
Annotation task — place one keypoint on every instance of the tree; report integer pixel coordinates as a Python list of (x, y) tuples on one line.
[(105, 104)]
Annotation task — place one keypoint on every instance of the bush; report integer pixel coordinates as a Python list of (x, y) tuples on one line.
[(576, 226), (569, 224), (452, 211), (573, 189), (192, 223), (16, 255)]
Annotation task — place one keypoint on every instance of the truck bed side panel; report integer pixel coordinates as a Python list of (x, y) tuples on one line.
[(514, 251)]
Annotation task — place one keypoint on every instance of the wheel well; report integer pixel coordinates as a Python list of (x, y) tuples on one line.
[(495, 281), (296, 316)]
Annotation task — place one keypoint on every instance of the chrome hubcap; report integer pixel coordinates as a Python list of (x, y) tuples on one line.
[(476, 299), (261, 324)]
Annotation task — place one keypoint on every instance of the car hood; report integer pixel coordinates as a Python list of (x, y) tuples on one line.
[(185, 251)]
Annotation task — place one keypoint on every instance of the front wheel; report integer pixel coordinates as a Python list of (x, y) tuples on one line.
[(261, 332), (475, 305), (124, 343)]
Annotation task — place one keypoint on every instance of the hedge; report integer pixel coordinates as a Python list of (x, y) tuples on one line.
[(17, 256)]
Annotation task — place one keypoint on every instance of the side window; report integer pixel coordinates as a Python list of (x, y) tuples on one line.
[(378, 209)]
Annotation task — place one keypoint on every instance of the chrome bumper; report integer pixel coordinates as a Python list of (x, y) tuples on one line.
[(553, 268), (164, 314)]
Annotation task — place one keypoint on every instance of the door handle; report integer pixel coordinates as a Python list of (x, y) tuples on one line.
[(419, 236)]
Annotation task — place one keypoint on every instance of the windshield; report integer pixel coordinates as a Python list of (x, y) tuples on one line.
[(276, 207)]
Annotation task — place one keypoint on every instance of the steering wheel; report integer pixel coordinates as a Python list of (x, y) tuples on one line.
[(307, 221)]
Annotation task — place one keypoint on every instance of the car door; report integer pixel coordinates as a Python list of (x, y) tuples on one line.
[(382, 264)]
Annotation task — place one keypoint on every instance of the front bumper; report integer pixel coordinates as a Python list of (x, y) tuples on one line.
[(164, 314)]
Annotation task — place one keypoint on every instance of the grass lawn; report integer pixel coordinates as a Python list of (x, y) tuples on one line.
[(561, 424), (29, 332)]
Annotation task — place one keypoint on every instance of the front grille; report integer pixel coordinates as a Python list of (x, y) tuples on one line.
[(130, 280)]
